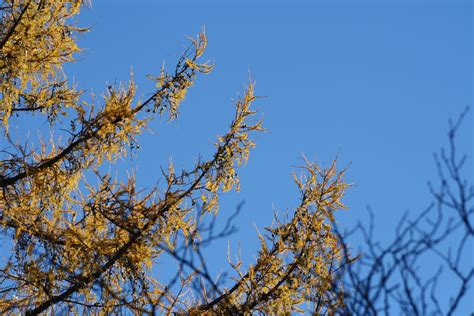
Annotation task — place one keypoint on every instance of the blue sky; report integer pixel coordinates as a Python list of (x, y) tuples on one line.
[(374, 82)]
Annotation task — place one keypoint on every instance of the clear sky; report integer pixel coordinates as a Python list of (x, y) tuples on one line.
[(372, 81)]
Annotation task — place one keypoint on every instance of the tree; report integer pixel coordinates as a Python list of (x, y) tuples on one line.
[(427, 268), (81, 247)]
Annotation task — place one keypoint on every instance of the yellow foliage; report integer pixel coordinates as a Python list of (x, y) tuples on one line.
[(82, 245)]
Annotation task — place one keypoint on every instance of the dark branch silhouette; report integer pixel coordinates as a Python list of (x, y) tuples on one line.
[(393, 277)]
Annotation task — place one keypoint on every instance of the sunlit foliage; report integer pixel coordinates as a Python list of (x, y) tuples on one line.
[(82, 245)]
